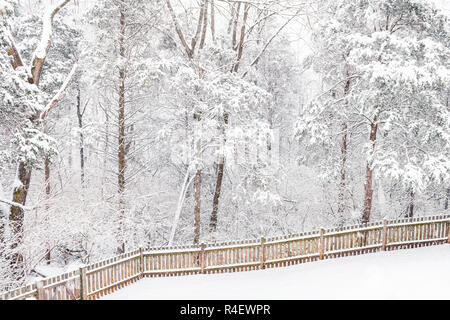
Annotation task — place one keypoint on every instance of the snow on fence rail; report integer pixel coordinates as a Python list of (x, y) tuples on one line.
[(104, 277)]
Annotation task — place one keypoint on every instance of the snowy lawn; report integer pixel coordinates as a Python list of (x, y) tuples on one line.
[(422, 273)]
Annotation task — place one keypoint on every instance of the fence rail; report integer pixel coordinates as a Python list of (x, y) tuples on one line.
[(104, 277)]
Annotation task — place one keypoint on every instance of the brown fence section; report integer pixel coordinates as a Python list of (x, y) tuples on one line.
[(104, 277), (107, 276), (172, 261)]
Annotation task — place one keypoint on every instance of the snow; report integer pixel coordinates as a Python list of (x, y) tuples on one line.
[(61, 91), (41, 50), (3, 206), (52, 270), (420, 273), (4, 6), (47, 30)]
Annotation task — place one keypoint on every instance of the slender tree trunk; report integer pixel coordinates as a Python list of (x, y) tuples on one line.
[(47, 179), (220, 169), (213, 219), (121, 136), (202, 25), (213, 22), (410, 209), (198, 175), (197, 186), (2, 231), (342, 183), (48, 195), (240, 48), (447, 197), (198, 178), (368, 189), (80, 127), (235, 23), (3, 219), (105, 153)]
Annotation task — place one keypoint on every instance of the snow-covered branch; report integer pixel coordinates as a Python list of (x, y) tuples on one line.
[(15, 204), (13, 52), (46, 40), (60, 93)]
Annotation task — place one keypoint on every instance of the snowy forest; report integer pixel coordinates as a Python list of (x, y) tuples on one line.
[(152, 123)]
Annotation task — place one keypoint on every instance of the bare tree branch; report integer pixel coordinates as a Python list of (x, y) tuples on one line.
[(178, 30), (199, 26), (205, 24), (242, 38), (256, 60)]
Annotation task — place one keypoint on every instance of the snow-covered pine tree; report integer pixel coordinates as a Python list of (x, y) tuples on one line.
[(398, 54)]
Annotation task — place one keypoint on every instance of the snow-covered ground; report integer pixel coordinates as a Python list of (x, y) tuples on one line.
[(422, 273)]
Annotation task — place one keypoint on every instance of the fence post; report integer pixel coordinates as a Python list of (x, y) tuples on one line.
[(83, 284), (322, 243), (141, 261), (383, 245), (40, 290), (202, 258), (263, 253), (448, 231)]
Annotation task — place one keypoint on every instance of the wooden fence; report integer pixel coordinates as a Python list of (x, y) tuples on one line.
[(104, 277)]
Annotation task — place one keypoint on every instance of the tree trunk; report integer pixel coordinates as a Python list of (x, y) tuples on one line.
[(220, 168), (197, 186), (213, 23), (410, 209), (342, 183), (105, 153), (447, 197), (20, 196), (80, 127), (47, 194), (198, 178), (16, 215), (121, 136), (368, 189)]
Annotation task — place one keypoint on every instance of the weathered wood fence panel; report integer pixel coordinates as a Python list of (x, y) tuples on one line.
[(285, 251), (104, 277), (172, 261), (412, 233)]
